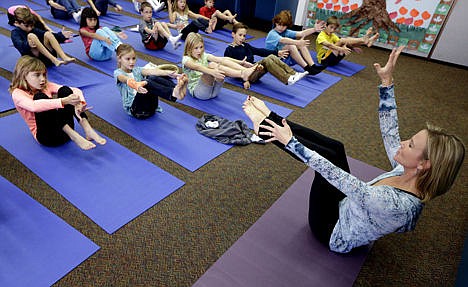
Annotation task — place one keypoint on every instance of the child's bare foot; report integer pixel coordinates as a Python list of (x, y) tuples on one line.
[(68, 60), (80, 141), (249, 73), (260, 105), (91, 134), (180, 89), (254, 114), (122, 35), (58, 62), (373, 39)]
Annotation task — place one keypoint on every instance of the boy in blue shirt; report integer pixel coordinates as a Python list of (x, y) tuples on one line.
[(282, 38)]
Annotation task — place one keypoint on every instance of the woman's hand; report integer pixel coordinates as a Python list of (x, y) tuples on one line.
[(386, 73), (283, 134)]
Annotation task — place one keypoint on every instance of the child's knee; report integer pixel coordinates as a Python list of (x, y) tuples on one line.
[(32, 37), (40, 96), (64, 91)]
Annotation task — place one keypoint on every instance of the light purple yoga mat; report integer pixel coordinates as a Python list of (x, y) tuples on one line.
[(37, 247), (344, 68), (6, 103), (8, 3), (109, 184), (280, 250), (228, 104), (172, 133)]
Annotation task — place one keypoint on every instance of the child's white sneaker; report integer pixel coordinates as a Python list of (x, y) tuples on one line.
[(296, 77), (77, 16), (175, 41), (136, 4), (156, 5), (135, 29)]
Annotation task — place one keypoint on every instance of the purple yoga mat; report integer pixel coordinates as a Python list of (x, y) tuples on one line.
[(109, 184), (279, 249), (37, 247)]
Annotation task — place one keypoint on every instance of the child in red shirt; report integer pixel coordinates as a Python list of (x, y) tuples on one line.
[(219, 19)]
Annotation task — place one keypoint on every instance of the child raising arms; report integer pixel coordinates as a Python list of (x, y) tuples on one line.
[(140, 87), (48, 108), (100, 42), (206, 72), (281, 38), (154, 34), (331, 49), (35, 42)]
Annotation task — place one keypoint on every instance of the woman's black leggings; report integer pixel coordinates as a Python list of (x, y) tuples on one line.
[(50, 123), (324, 198)]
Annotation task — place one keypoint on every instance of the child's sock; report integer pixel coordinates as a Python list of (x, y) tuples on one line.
[(296, 77), (314, 69)]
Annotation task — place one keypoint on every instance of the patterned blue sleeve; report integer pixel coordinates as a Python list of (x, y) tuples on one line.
[(350, 185), (389, 122)]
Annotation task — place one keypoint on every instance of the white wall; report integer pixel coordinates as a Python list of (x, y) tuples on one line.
[(452, 45)]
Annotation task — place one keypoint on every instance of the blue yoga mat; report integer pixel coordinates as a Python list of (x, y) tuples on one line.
[(115, 19), (344, 68), (269, 86), (38, 248), (279, 250), (171, 133), (228, 104), (224, 35), (6, 103), (99, 182), (77, 50)]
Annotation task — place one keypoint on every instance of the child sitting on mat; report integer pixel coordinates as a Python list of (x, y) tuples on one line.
[(331, 49), (240, 50), (206, 72), (179, 14), (29, 40), (140, 87), (219, 19), (48, 108), (281, 38), (100, 42), (100, 6), (154, 34), (65, 9)]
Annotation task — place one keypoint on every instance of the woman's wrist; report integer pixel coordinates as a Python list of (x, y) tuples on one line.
[(387, 82)]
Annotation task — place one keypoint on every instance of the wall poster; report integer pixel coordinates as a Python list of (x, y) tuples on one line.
[(413, 23)]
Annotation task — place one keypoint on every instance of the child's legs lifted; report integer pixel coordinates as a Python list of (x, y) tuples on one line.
[(300, 55), (101, 50), (277, 68)]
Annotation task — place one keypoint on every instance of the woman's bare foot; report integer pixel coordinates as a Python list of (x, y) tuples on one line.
[(373, 39), (260, 105), (254, 114)]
